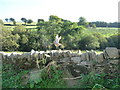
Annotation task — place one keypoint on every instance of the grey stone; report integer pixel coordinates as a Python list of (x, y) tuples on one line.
[(76, 59), (99, 58), (92, 55), (111, 53), (83, 56)]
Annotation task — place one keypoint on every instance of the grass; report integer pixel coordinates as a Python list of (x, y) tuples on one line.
[(107, 32), (20, 23)]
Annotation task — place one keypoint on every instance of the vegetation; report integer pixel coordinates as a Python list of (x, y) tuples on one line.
[(53, 78), (75, 35), (29, 35), (12, 78)]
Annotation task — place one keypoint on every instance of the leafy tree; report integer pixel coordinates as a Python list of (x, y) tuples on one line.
[(13, 20), (40, 20), (29, 21), (100, 24), (24, 20), (82, 21), (1, 22), (9, 41), (89, 42), (113, 41), (19, 30), (54, 18), (6, 19), (93, 25), (101, 39)]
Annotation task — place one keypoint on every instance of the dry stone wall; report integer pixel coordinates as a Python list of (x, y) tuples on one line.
[(75, 62)]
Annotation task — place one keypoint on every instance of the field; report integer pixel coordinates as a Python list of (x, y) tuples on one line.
[(107, 32)]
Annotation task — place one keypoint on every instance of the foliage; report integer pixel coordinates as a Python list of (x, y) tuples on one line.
[(9, 41), (1, 22), (89, 42), (114, 41), (102, 80), (13, 20), (105, 24), (48, 79), (51, 77), (24, 20), (12, 78), (74, 35), (29, 21), (82, 21)]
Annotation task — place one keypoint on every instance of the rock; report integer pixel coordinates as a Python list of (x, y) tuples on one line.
[(92, 55), (76, 59), (111, 53), (65, 59), (76, 70), (26, 55), (84, 63), (85, 56), (32, 51), (79, 52), (82, 56), (34, 75), (99, 58)]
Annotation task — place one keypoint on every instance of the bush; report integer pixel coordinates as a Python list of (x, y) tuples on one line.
[(89, 42)]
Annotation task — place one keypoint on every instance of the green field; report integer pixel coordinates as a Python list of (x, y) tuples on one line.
[(107, 32)]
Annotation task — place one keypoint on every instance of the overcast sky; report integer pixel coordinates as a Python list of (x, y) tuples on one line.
[(92, 10)]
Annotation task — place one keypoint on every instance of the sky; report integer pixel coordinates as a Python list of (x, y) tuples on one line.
[(92, 10)]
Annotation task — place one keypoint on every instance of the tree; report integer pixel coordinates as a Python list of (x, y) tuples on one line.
[(13, 20), (8, 41), (6, 19), (114, 41), (29, 21), (100, 24), (19, 30), (89, 42), (101, 39), (82, 21), (40, 20), (54, 18), (93, 25), (1, 22), (24, 20)]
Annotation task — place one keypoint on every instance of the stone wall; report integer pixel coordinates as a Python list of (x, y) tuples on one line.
[(75, 62)]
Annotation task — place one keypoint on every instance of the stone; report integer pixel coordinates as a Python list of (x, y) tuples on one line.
[(65, 59), (85, 56), (82, 56), (111, 53), (76, 59), (76, 70), (92, 55), (84, 63), (99, 58)]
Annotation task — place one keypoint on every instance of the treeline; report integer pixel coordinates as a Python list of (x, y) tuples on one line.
[(26, 21), (105, 24), (72, 33), (82, 21)]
